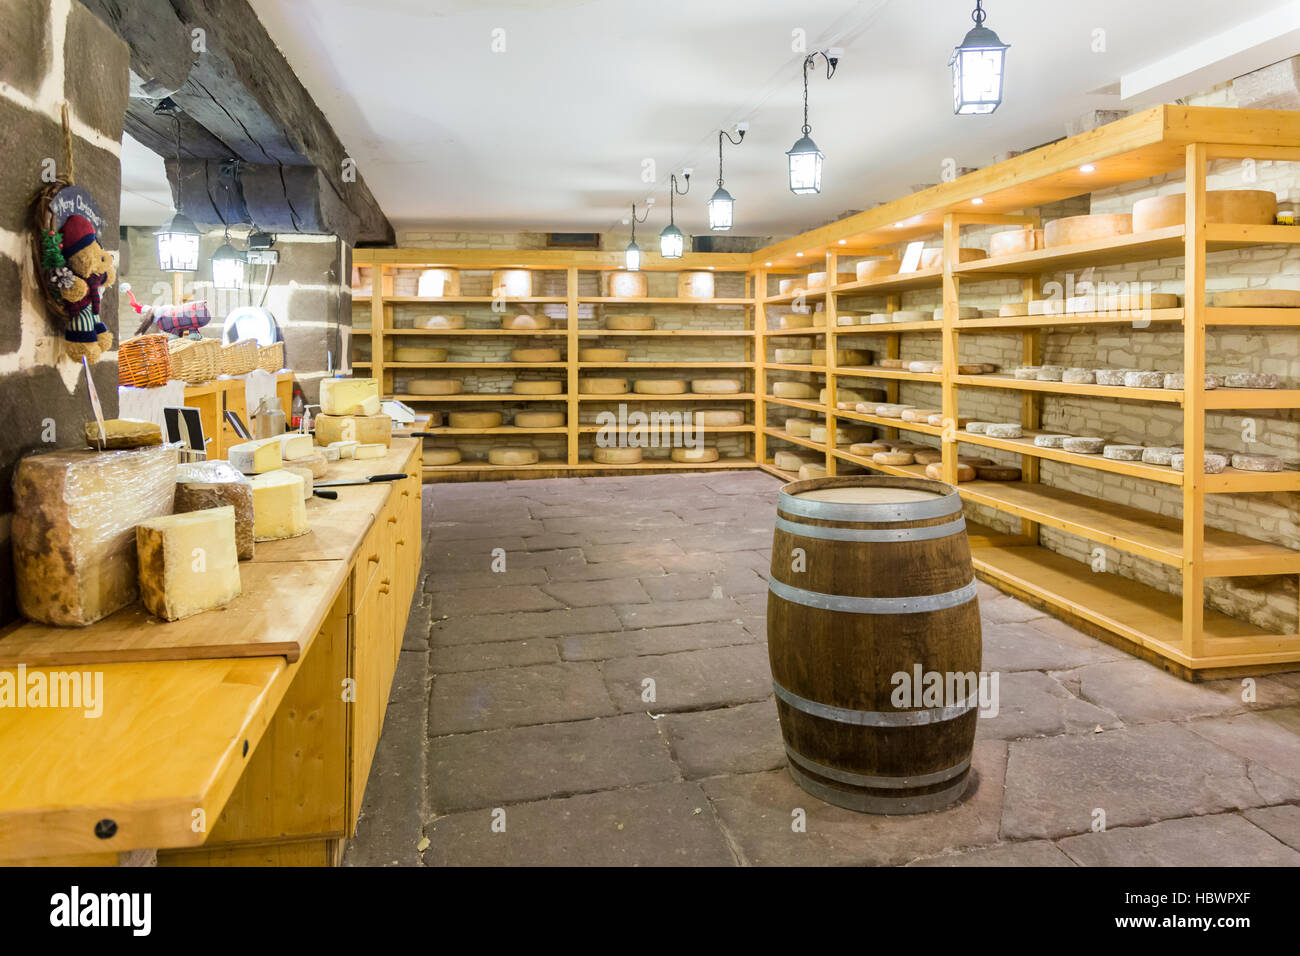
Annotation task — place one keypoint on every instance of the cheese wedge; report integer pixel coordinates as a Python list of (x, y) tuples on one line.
[(257, 456), (188, 562), (316, 463), (279, 510), (370, 451), (345, 396), (295, 445)]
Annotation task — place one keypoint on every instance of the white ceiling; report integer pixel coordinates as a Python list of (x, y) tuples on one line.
[(552, 133), (146, 196)]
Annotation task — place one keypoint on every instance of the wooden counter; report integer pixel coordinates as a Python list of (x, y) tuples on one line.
[(238, 760)]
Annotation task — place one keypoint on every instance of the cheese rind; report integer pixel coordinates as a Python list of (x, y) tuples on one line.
[(188, 563), (343, 396), (315, 462), (201, 485), (279, 510), (257, 456), (296, 445)]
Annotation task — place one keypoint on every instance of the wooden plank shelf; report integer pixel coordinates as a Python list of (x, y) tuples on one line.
[(659, 300), (889, 328), (1171, 396), (672, 333), (703, 429), (471, 299), (794, 440), (783, 333), (465, 366), (482, 397), (924, 428), (1135, 319), (809, 369), (684, 397), (1026, 446), (444, 430), (806, 405), (461, 333), (632, 365), (869, 371)]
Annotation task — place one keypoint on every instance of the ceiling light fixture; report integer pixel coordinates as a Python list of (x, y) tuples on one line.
[(228, 262), (977, 68), (632, 255), (178, 240), (722, 207), (804, 157), (671, 240)]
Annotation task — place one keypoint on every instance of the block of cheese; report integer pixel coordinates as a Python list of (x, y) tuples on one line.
[(257, 456), (359, 428), (603, 386), (435, 386), (187, 562), (315, 461), (74, 514), (516, 283), (694, 455), (1072, 229), (305, 473), (1256, 299), (535, 355), (123, 433), (695, 285), (602, 355), (418, 353), (523, 322), (278, 507), (719, 416), (715, 386), (348, 396), (346, 449), (369, 451), (539, 419), (537, 387), (869, 269), (1011, 241), (616, 456), (630, 323), (439, 322), (793, 390), (474, 419), (659, 386), (626, 285), (513, 455), (1236, 206), (811, 470), (214, 484), (295, 445), (793, 356), (441, 456)]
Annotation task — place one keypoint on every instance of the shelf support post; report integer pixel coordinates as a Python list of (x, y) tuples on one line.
[(571, 386), (1194, 305), (830, 343), (377, 331), (760, 366), (948, 437)]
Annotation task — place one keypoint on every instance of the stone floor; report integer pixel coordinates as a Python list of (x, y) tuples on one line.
[(517, 732)]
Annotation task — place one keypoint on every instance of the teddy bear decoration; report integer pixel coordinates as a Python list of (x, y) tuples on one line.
[(77, 269)]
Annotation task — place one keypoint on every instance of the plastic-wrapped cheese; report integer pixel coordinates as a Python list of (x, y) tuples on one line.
[(214, 484), (348, 396), (278, 507), (187, 562)]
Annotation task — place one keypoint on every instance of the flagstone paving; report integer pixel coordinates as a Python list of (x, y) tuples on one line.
[(603, 698)]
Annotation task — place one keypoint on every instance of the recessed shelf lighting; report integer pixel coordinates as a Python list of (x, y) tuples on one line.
[(844, 242), (798, 255), (1087, 168), (977, 201)]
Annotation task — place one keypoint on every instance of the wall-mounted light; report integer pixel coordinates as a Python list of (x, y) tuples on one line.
[(722, 207), (632, 254), (977, 68), (804, 157), (178, 240), (671, 241)]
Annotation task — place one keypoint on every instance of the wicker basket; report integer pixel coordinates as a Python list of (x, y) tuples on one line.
[(239, 358), (271, 357), (195, 361), (144, 361)]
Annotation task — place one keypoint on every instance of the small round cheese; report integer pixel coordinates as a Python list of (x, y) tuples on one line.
[(694, 455), (441, 456), (630, 323), (419, 353), (440, 322), (539, 419), (792, 390), (659, 386), (474, 419), (434, 386), (603, 386), (535, 355), (513, 455), (719, 416), (715, 386), (616, 456)]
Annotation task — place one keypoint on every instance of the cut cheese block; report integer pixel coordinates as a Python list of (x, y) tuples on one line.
[(439, 322), (515, 283), (602, 355), (719, 416), (695, 285), (792, 390), (525, 322), (308, 479), (1072, 229), (417, 353), (1256, 299), (365, 452), (793, 356), (316, 461), (72, 528), (441, 456), (630, 323), (474, 419), (187, 562), (1236, 206), (358, 428), (603, 386), (539, 387), (800, 427), (257, 456), (694, 455), (535, 355), (715, 386), (616, 456), (346, 449), (348, 396), (123, 433), (626, 285), (435, 386), (278, 507), (869, 269), (295, 445), (513, 455), (659, 386), (214, 484), (539, 419), (1013, 241), (964, 472), (792, 460), (811, 470)]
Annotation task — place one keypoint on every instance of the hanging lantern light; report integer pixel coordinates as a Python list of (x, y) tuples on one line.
[(671, 241), (804, 157), (178, 240), (228, 266), (632, 255), (977, 68), (722, 207)]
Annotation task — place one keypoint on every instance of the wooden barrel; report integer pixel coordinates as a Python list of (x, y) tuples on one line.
[(872, 594)]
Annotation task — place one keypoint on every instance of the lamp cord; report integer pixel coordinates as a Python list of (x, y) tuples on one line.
[(979, 15), (736, 142), (807, 62)]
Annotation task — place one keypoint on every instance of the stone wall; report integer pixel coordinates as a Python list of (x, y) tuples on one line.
[(51, 52)]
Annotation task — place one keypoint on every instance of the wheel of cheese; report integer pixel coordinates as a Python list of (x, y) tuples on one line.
[(525, 322), (630, 323), (539, 419), (434, 386), (1026, 373), (964, 472), (892, 363), (695, 285), (513, 455), (316, 461), (719, 416), (603, 386), (438, 283), (790, 286), (963, 312), (817, 280), (474, 419), (419, 353), (793, 390), (1079, 376), (1084, 445), (792, 460), (1013, 309), (911, 315), (1159, 455), (535, 355), (891, 410), (1012, 241), (852, 357), (978, 428), (1236, 206), (1137, 301), (1004, 430), (799, 427), (919, 415), (1050, 373), (602, 355), (616, 456), (659, 386), (1144, 379), (927, 457), (715, 386), (1111, 376), (441, 456), (1244, 462), (878, 318), (893, 458), (997, 473), (1249, 380), (811, 470), (793, 356), (1214, 463), (1050, 441), (538, 387), (515, 283), (626, 285), (974, 369), (1256, 299), (800, 320), (866, 449), (1123, 452), (439, 322), (933, 258), (1072, 229), (869, 269), (694, 455)]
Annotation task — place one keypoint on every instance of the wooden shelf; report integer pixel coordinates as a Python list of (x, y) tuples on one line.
[(587, 464), (868, 371), (703, 429), (889, 328), (463, 366), (809, 369), (924, 428), (684, 397), (661, 300), (457, 333), (782, 333), (472, 299), (633, 365), (1026, 446), (805, 404), (482, 397), (449, 432), (1151, 316), (1165, 395), (794, 440), (672, 333)]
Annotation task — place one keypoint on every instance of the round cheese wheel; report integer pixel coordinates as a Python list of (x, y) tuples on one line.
[(791, 460), (963, 312), (1072, 229), (513, 455), (603, 386), (1237, 206), (1256, 299), (538, 387), (919, 415), (789, 286), (799, 427), (626, 285), (695, 285), (316, 461), (719, 416), (535, 355), (1012, 241), (792, 390), (964, 472), (630, 323), (927, 456), (539, 419), (811, 470), (515, 283), (792, 356), (441, 456), (867, 449), (892, 458), (911, 315), (525, 322), (616, 456), (869, 269), (659, 386), (438, 283), (419, 353), (694, 455), (474, 419), (602, 355), (1133, 301), (997, 473), (801, 320), (439, 322), (434, 386), (715, 386)]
